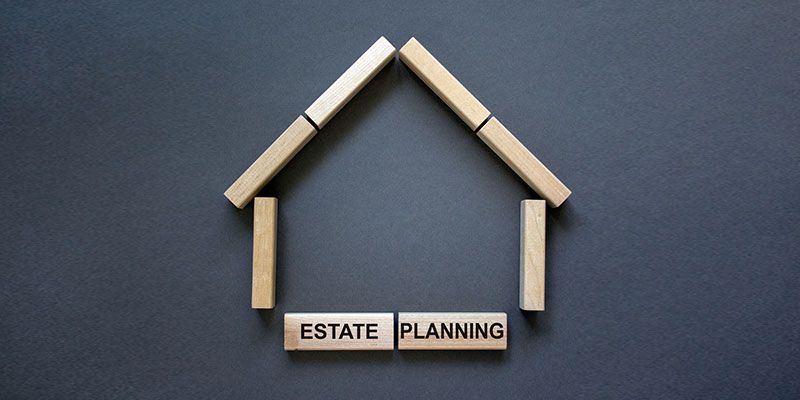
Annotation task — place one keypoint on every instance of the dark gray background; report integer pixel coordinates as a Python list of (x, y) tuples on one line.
[(672, 271)]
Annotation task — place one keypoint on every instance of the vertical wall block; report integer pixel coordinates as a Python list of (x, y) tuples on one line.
[(531, 255), (265, 234)]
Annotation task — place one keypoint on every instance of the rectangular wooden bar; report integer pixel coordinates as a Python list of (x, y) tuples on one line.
[(452, 331), (351, 82), (531, 255), (338, 331), (444, 84), (268, 164), (523, 162), (265, 233)]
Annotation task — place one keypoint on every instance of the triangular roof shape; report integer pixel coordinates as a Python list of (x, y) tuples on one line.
[(441, 81), (462, 102)]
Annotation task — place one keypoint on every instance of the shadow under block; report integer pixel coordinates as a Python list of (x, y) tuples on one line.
[(531, 255), (523, 162), (265, 233), (452, 331), (351, 82), (338, 331), (270, 162), (444, 84)]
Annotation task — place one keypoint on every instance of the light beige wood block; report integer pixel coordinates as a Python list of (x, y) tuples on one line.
[(338, 331), (452, 331), (443, 83), (523, 162), (351, 82), (265, 234), (268, 164), (531, 255)]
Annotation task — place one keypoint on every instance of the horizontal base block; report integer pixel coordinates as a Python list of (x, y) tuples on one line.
[(452, 331), (338, 331)]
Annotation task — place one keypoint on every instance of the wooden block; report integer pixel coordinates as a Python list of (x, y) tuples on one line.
[(531, 255), (452, 331), (351, 82), (338, 331), (444, 84), (270, 162), (265, 233), (525, 164)]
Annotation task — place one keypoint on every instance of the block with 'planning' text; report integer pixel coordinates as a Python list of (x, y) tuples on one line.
[(452, 331)]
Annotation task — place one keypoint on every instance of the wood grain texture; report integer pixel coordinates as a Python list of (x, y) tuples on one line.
[(270, 162), (326, 331), (265, 234), (443, 83), (531, 255), (452, 331), (351, 82), (523, 162)]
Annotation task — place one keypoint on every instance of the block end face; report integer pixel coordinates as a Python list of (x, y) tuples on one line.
[(316, 116), (533, 202), (531, 305), (386, 43), (409, 44), (556, 202), (491, 124), (409, 52), (234, 199), (266, 201), (317, 119), (475, 122)]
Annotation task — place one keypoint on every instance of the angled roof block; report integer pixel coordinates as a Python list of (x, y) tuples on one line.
[(269, 163), (289, 143), (444, 84), (351, 82), (523, 162), (441, 81), (474, 114)]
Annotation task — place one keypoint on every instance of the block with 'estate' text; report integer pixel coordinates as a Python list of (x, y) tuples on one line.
[(338, 331)]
